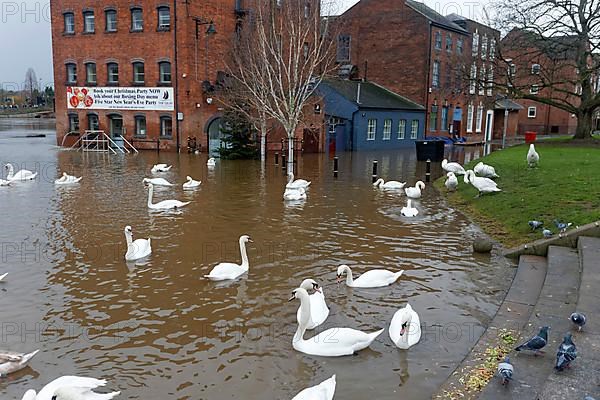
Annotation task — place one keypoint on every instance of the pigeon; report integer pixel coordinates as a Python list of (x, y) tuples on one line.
[(567, 352), (562, 226), (578, 319), (536, 343), (547, 233), (505, 370), (535, 224)]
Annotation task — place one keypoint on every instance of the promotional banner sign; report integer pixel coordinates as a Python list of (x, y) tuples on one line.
[(121, 98)]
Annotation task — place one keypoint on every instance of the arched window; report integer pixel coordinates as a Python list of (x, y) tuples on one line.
[(138, 72), (71, 73), (137, 21), (111, 20), (90, 73), (89, 22), (166, 126), (140, 125), (112, 73), (164, 18), (164, 69), (93, 123), (69, 23)]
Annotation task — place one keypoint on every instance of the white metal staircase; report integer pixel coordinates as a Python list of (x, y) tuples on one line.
[(99, 141)]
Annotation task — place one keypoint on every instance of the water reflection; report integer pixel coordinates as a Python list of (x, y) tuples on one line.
[(157, 329)]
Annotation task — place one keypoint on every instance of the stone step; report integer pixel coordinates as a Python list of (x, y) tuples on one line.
[(556, 301), (582, 378)]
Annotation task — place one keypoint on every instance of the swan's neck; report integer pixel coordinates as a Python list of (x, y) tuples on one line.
[(404, 337), (129, 238), (291, 178), (245, 263), (11, 171), (150, 192), (349, 279), (304, 318)]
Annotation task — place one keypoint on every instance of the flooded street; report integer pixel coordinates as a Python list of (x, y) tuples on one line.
[(159, 330)]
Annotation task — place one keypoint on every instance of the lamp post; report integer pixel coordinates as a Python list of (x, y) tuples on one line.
[(210, 30)]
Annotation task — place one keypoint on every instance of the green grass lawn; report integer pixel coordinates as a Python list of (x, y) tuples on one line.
[(565, 186)]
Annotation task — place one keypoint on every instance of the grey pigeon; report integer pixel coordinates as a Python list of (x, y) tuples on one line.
[(505, 370), (535, 224), (566, 353), (578, 319), (562, 226), (547, 233), (537, 342)]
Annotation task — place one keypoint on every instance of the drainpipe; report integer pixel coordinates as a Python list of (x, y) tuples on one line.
[(426, 125), (358, 93), (176, 73)]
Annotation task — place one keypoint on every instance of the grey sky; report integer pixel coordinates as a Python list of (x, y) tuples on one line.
[(25, 39)]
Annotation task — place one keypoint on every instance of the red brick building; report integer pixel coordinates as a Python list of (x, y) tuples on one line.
[(440, 62), (149, 71)]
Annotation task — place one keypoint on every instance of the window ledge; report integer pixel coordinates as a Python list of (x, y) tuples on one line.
[(68, 33), (113, 31), (112, 83), (88, 33), (136, 30), (140, 136), (164, 83), (163, 29), (91, 84), (138, 83), (166, 137)]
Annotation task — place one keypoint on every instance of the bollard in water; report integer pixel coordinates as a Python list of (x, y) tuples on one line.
[(428, 170), (374, 176), (283, 164), (335, 167), (276, 158)]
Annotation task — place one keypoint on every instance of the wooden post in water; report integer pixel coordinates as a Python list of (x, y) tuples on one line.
[(374, 176), (335, 167), (428, 170)]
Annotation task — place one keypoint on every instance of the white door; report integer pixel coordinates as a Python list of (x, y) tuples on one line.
[(489, 125)]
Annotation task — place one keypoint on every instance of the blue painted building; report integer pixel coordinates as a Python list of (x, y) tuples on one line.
[(366, 116)]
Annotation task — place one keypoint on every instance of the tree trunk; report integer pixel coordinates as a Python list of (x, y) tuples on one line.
[(584, 125), (263, 139), (290, 159)]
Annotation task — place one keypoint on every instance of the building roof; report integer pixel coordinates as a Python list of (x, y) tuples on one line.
[(507, 104), (434, 16), (555, 47), (372, 95)]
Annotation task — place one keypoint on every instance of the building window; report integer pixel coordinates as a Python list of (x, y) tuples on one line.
[(305, 50), (164, 69), (88, 22), (140, 126), (73, 123), (484, 43), (164, 18), (387, 129), (112, 73), (371, 128), (69, 23), (534, 89), (93, 123), (479, 118), (111, 20), (414, 129), (473, 80), (138, 72), (435, 77), (438, 40), (343, 48), (535, 69), (470, 117), (459, 45), (475, 49), (492, 54), (166, 126), (482, 81), (306, 9), (137, 22), (445, 118), (448, 42), (531, 111), (433, 117), (71, 73), (490, 81), (90, 73), (401, 128)]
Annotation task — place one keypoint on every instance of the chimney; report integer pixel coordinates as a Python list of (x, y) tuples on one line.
[(358, 93)]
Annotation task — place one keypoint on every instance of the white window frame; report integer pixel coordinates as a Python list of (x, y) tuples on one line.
[(479, 118), (414, 129), (473, 80), (111, 24), (470, 117), (371, 129), (69, 18), (484, 43), (475, 48), (490, 82), (435, 75), (387, 129), (535, 69), (89, 22), (492, 52), (401, 129), (534, 89), (529, 112), (91, 74), (164, 20), (482, 83)]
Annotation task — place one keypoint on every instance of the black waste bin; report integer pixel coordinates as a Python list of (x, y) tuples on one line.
[(430, 149)]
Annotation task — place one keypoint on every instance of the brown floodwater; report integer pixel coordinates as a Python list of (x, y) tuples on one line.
[(159, 330)]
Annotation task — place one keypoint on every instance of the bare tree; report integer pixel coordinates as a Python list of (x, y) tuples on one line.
[(31, 84), (281, 56), (548, 55)]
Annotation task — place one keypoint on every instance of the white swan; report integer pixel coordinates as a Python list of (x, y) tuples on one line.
[(409, 210), (21, 175), (405, 328), (370, 279), (333, 342), (294, 194), (483, 185), (389, 185), (139, 248), (487, 171), (160, 168), (67, 179), (225, 271), (318, 307), (12, 362), (451, 182), (3, 276), (323, 391), (70, 388), (191, 184), (533, 158), (415, 192), (4, 183), (165, 204), (453, 167), (211, 162), (296, 184), (157, 181)]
